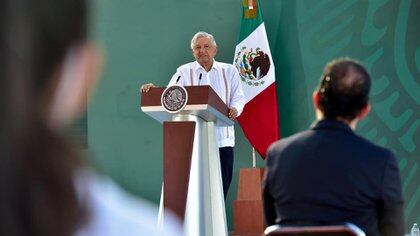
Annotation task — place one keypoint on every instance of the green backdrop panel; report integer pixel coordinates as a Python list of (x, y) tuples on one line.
[(145, 41)]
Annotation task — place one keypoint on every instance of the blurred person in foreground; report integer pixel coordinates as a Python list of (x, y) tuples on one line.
[(47, 68), (330, 175)]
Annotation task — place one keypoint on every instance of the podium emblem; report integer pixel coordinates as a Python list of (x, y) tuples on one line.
[(174, 98)]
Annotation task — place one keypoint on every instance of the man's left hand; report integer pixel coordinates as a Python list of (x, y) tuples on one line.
[(233, 113)]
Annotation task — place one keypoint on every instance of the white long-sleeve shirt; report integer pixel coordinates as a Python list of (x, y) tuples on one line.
[(225, 81), (114, 212)]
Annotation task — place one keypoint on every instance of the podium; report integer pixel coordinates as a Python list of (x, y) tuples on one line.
[(192, 184)]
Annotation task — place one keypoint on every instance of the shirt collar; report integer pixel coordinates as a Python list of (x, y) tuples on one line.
[(331, 124), (215, 66)]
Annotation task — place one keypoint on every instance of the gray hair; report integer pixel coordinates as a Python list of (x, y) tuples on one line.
[(200, 35)]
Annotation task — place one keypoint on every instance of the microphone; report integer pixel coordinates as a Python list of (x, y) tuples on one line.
[(176, 82), (199, 79)]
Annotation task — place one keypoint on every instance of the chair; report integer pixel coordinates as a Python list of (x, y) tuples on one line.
[(333, 230)]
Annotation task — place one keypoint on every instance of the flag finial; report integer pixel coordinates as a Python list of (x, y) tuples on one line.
[(250, 9)]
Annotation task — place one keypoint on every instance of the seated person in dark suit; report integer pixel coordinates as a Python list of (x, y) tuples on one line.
[(330, 175)]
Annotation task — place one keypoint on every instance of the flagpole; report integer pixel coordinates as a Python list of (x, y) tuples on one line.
[(254, 160)]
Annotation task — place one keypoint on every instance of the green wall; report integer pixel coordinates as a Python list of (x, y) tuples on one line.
[(145, 41)]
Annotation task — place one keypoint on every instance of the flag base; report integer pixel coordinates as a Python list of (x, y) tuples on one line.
[(248, 215)]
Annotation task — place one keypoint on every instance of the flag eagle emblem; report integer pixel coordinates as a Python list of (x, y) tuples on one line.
[(253, 65)]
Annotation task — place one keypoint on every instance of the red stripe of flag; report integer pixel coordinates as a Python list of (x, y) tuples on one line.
[(259, 120)]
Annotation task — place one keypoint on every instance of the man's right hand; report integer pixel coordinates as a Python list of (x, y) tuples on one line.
[(146, 87)]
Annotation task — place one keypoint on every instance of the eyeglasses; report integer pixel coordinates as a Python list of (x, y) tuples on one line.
[(325, 84), (205, 47)]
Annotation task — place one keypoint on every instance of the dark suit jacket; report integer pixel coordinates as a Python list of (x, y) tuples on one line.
[(330, 175)]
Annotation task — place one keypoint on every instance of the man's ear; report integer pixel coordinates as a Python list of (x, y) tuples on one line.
[(364, 112), (77, 78), (315, 99)]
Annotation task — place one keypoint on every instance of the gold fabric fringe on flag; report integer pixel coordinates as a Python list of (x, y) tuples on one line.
[(250, 9)]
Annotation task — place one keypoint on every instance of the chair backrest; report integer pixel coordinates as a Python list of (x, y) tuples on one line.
[(333, 230)]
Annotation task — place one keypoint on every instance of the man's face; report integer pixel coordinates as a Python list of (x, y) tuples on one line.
[(204, 51)]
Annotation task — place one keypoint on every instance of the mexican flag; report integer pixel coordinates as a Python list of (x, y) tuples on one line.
[(259, 119)]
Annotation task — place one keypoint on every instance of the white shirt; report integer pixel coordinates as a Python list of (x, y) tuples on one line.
[(225, 81), (114, 212)]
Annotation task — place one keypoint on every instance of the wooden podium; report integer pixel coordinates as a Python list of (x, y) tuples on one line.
[(192, 184)]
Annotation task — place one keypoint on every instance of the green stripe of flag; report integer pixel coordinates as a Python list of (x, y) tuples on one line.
[(249, 25)]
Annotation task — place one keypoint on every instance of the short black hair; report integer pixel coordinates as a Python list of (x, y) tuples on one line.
[(343, 89)]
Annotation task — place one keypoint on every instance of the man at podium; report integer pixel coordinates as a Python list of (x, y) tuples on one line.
[(224, 80)]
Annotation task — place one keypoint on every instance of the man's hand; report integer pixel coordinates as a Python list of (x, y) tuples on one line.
[(146, 87), (233, 113)]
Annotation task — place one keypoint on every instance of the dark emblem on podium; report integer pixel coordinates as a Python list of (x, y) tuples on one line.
[(174, 98)]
